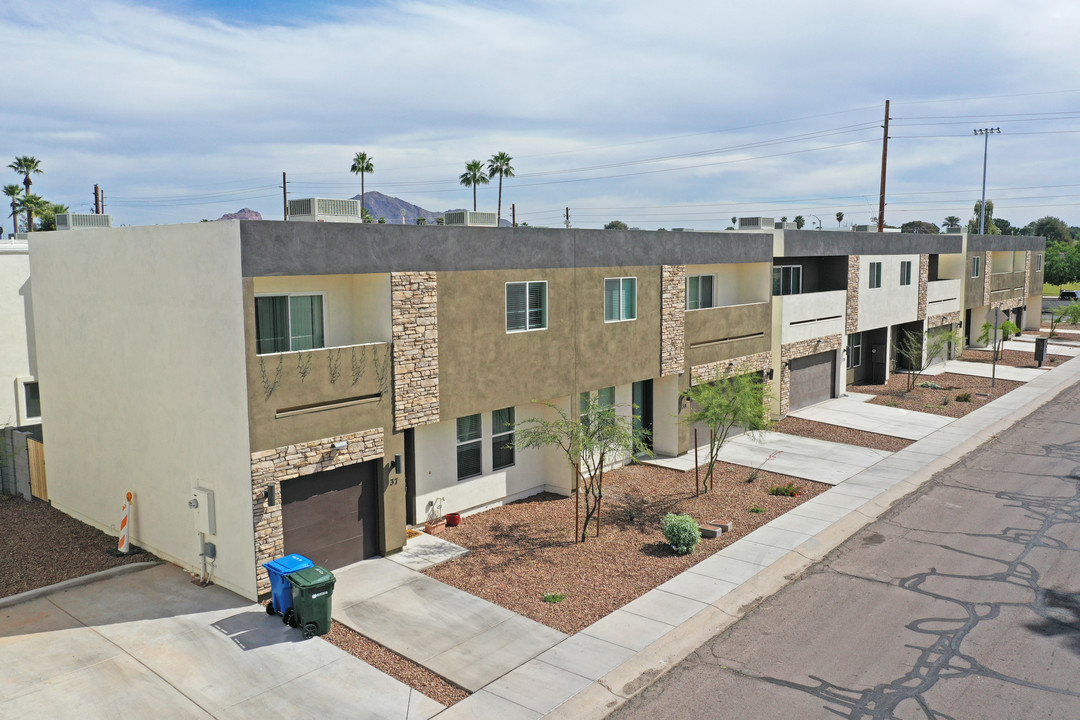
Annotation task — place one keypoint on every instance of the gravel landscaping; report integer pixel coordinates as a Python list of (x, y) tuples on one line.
[(1012, 358), (43, 546), (837, 433), (939, 401), (524, 550)]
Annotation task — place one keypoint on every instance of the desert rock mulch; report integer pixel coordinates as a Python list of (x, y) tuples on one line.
[(836, 433), (526, 549), (43, 546), (939, 401), (1012, 358)]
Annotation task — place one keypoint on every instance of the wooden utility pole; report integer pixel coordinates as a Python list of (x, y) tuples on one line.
[(567, 218), (284, 196), (884, 158), (513, 215), (97, 199)]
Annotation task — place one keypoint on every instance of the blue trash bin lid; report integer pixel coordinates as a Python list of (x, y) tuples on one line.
[(288, 564)]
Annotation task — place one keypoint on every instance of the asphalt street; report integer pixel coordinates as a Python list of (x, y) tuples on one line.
[(962, 602)]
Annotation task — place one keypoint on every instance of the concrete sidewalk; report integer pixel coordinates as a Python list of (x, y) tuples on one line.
[(881, 419), (980, 369)]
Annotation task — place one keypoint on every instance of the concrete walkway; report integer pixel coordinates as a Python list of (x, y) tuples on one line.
[(806, 458), (459, 636), (1058, 346), (979, 369), (881, 419)]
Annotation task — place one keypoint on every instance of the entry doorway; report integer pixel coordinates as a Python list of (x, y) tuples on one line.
[(643, 409)]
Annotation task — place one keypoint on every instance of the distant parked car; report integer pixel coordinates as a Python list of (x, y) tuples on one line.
[(1073, 295)]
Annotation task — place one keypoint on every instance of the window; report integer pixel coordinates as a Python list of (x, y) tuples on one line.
[(699, 292), (605, 401), (469, 429), (285, 323), (1038, 262), (875, 275), (854, 350), (620, 299), (976, 266), (787, 280), (905, 272), (526, 306), (502, 438)]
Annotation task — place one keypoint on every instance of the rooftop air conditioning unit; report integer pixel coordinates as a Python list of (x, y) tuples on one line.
[(756, 223), (80, 221), (324, 210), (954, 230), (785, 226), (470, 218), (682, 229)]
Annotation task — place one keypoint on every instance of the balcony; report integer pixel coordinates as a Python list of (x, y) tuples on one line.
[(812, 315), (942, 296), (1006, 286), (721, 333)]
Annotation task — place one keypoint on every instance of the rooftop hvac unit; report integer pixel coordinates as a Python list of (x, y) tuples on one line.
[(785, 226), (682, 229), (324, 210), (471, 218), (80, 221), (756, 223), (954, 230)]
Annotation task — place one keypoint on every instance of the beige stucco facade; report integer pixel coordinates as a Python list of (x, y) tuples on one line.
[(18, 355)]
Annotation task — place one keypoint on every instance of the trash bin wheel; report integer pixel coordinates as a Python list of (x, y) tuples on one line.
[(270, 608), (310, 629), (289, 618)]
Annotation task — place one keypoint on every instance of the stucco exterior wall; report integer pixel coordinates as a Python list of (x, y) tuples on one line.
[(140, 335), (17, 346), (892, 303)]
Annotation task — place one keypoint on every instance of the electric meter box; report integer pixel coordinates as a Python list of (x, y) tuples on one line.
[(202, 504)]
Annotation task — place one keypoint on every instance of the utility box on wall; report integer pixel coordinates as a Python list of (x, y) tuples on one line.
[(202, 504)]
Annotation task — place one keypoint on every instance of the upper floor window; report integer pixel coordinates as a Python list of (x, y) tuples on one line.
[(875, 275), (526, 306), (620, 299), (469, 451), (699, 292), (976, 266), (285, 323), (787, 280), (905, 272), (1038, 262)]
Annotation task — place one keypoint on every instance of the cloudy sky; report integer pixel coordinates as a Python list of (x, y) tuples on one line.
[(671, 114)]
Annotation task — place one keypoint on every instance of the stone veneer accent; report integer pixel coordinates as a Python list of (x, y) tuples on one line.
[(672, 320), (271, 467), (1027, 274), (986, 279), (797, 350), (414, 315), (758, 362), (924, 279), (949, 318), (852, 323), (1010, 304)]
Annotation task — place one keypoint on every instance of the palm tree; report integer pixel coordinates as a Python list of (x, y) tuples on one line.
[(26, 164), (499, 164), (12, 191), (361, 165), (474, 175), (952, 221), (48, 215), (31, 204), (839, 218)]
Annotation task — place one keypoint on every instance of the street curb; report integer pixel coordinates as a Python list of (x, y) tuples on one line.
[(614, 689), (76, 582)]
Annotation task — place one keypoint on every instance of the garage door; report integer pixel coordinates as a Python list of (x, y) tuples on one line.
[(812, 379), (331, 517)]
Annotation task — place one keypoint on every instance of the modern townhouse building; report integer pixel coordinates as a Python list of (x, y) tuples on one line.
[(327, 385)]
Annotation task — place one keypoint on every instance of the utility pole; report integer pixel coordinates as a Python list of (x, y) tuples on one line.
[(284, 196), (986, 133), (513, 215), (884, 159), (567, 218), (97, 199)]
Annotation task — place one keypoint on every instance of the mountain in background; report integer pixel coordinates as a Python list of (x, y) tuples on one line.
[(242, 214), (385, 206)]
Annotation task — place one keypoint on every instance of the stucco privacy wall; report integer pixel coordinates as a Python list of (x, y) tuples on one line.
[(415, 320), (140, 335), (272, 467), (16, 329)]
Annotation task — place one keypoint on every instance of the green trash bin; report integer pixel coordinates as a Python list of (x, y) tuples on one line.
[(312, 590)]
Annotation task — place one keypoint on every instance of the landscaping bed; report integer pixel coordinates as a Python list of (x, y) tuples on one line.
[(524, 550), (939, 401), (836, 433), (1012, 358), (43, 546)]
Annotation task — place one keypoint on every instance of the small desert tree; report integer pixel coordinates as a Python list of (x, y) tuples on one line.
[(997, 339), (1068, 314), (590, 442), (726, 404), (936, 345)]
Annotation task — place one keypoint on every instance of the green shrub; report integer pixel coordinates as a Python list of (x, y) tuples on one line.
[(930, 385), (681, 532), (757, 509), (945, 401), (789, 490), (963, 397), (554, 597)]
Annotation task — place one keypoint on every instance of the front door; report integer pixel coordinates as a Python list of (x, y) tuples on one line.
[(643, 409)]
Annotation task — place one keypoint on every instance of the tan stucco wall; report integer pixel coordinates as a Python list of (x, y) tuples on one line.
[(17, 348), (140, 335)]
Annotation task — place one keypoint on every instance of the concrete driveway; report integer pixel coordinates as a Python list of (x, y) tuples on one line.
[(152, 644), (860, 415)]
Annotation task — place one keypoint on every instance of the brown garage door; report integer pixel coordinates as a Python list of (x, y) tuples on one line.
[(331, 516), (812, 379)]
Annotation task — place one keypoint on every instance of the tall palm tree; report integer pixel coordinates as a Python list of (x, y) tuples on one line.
[(26, 164), (12, 191), (952, 221), (32, 204), (474, 175), (499, 164), (361, 165)]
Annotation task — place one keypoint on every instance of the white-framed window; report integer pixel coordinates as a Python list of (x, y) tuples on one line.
[(787, 279), (620, 299), (289, 322), (502, 438), (875, 275), (976, 266), (28, 397), (905, 272), (605, 401), (1038, 262), (854, 350), (526, 306), (700, 291), (469, 446)]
